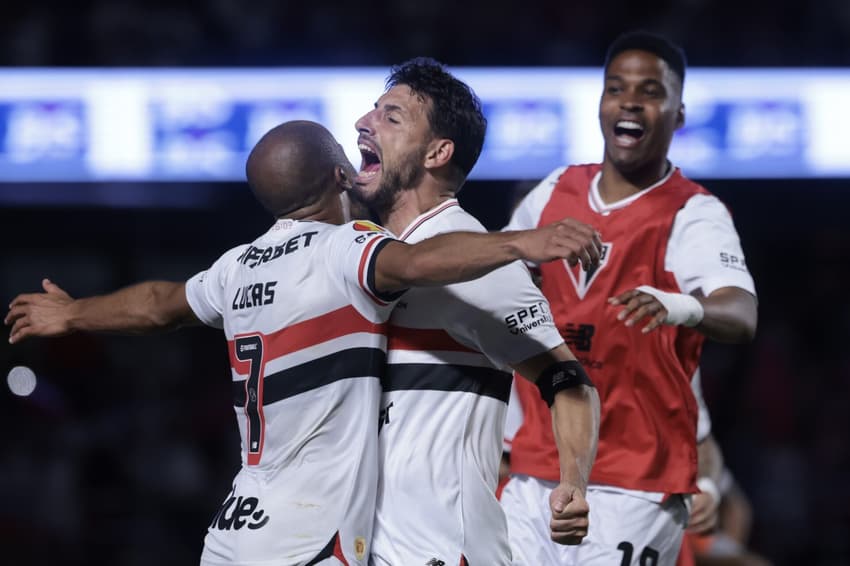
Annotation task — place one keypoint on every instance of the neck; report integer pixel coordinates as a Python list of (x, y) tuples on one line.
[(615, 185), (411, 203), (328, 209)]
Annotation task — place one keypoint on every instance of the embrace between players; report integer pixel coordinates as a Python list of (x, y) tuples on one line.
[(371, 407)]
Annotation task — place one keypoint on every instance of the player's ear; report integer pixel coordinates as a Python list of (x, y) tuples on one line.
[(439, 153), (680, 116), (344, 179)]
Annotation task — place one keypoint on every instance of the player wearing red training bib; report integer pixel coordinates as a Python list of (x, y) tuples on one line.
[(672, 273)]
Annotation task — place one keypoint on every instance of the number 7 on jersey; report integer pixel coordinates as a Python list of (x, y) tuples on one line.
[(249, 349)]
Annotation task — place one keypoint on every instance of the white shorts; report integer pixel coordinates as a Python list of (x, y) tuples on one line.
[(334, 554), (625, 529), (332, 561)]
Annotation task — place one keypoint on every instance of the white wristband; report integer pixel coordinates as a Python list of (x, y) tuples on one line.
[(707, 485), (681, 309)]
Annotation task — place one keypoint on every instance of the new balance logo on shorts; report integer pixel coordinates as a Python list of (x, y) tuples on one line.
[(435, 562)]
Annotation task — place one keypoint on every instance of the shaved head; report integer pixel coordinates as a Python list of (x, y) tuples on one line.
[(295, 165)]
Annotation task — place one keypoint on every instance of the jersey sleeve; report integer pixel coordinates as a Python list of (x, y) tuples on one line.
[(526, 215), (704, 252), (352, 257), (504, 316), (205, 290)]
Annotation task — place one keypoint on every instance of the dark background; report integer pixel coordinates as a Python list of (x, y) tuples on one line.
[(128, 444)]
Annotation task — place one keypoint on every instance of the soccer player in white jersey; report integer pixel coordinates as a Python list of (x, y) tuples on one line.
[(451, 349), (303, 308)]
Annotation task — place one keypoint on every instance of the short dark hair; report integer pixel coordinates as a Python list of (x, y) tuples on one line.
[(455, 109), (656, 44)]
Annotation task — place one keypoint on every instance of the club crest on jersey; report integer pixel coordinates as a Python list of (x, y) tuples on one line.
[(360, 548), (366, 226), (582, 280)]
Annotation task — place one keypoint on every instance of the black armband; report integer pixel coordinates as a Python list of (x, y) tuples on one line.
[(560, 376)]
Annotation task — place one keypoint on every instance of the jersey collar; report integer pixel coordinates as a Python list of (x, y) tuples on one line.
[(596, 203), (426, 216)]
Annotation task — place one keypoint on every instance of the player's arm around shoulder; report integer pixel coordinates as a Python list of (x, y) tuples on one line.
[(575, 407), (144, 307), (462, 256)]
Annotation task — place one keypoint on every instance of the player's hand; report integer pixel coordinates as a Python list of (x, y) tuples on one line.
[(704, 513), (39, 314), (570, 514), (639, 306), (566, 239)]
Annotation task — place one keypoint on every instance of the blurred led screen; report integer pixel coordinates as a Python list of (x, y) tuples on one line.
[(179, 125)]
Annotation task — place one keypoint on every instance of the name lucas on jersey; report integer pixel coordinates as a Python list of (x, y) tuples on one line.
[(254, 295)]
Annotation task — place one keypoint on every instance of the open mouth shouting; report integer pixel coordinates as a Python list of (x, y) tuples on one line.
[(627, 133), (370, 165)]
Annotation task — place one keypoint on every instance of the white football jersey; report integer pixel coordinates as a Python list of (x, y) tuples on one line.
[(443, 408), (306, 333)]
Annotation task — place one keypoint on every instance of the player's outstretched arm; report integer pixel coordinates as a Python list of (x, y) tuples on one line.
[(463, 256), (144, 307), (575, 407)]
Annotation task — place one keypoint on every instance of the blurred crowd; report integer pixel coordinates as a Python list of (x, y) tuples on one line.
[(380, 32)]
